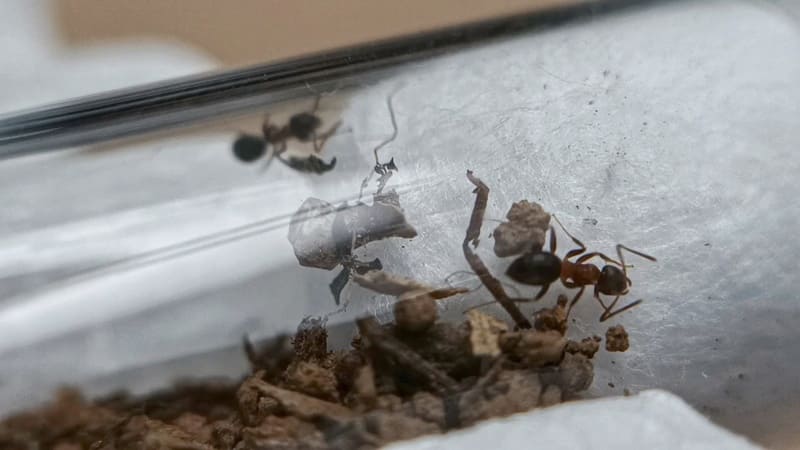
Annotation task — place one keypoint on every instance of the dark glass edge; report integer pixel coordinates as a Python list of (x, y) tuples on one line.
[(192, 99)]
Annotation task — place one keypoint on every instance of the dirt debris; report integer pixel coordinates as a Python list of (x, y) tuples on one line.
[(617, 339), (396, 382), (525, 229), (587, 346), (485, 331)]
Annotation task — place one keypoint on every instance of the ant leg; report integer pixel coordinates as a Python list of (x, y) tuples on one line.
[(575, 300), (542, 291), (319, 140), (508, 286), (266, 127), (553, 243), (268, 159), (607, 314), (575, 252), (316, 104)]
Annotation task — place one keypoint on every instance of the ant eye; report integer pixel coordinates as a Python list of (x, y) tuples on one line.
[(248, 148)]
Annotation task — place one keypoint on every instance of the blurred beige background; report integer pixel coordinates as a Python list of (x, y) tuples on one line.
[(252, 31)]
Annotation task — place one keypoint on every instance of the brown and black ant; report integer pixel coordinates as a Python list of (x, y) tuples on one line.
[(303, 127), (542, 268)]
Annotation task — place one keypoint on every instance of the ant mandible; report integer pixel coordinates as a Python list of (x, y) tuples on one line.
[(542, 268)]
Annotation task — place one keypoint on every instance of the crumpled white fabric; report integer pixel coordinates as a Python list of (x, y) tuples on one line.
[(654, 419)]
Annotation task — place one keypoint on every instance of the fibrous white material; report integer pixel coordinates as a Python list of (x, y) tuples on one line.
[(653, 420)]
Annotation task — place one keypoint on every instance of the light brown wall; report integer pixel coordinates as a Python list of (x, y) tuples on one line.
[(240, 32)]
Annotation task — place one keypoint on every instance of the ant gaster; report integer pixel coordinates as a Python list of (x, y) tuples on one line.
[(542, 268)]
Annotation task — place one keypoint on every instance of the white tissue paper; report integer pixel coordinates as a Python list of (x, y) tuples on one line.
[(672, 129)]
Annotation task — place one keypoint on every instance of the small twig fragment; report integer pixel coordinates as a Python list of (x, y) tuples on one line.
[(390, 347), (473, 233)]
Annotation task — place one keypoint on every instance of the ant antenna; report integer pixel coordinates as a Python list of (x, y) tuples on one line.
[(621, 247)]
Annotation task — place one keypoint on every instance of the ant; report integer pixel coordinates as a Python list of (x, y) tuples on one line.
[(542, 268), (301, 126)]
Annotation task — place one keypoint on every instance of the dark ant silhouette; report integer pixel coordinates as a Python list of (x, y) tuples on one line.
[(303, 127), (542, 268)]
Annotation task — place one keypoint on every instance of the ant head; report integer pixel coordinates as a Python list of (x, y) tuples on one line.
[(248, 148), (535, 268), (302, 125), (612, 281)]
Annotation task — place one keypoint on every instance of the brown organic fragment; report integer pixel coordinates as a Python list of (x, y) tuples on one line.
[(288, 402), (272, 356), (158, 435), (312, 379), (404, 288), (554, 318), (377, 428), (389, 402), (587, 346), (573, 375), (363, 394), (225, 434), (551, 396), (427, 407), (446, 346), (617, 339), (388, 346), (524, 231), (282, 433), (485, 333), (511, 392), (311, 340), (415, 315), (534, 348), (195, 425)]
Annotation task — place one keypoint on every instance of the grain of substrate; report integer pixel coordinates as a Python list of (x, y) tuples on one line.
[(617, 339), (415, 315)]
